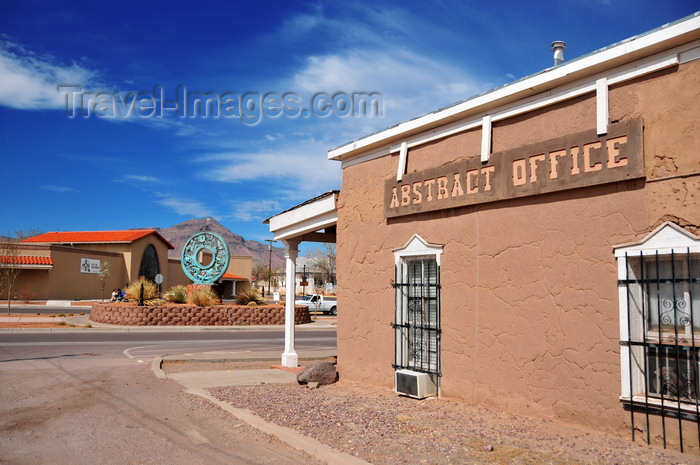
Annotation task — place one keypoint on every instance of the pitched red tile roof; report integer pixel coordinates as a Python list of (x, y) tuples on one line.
[(232, 276), (26, 260), (93, 237)]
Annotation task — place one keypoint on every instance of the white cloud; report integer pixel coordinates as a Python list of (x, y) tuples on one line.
[(410, 84), (30, 82), (141, 178), (255, 209), (59, 189), (298, 170), (182, 206)]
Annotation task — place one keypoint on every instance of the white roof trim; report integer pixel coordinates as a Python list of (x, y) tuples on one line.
[(35, 267), (667, 238), (614, 57), (417, 247), (307, 218)]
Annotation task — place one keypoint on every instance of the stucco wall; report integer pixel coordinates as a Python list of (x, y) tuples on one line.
[(529, 286), (65, 280)]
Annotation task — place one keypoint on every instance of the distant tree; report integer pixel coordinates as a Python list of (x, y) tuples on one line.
[(263, 275), (323, 260), (103, 275), (10, 268), (21, 234), (260, 272)]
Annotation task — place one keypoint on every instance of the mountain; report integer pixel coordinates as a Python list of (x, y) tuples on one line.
[(177, 235)]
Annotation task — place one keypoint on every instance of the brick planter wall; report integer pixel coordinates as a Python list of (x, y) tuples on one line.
[(190, 315)]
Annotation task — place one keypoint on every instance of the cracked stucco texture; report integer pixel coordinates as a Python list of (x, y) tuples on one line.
[(529, 286)]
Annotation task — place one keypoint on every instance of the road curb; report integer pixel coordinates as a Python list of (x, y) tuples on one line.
[(295, 439), (157, 367)]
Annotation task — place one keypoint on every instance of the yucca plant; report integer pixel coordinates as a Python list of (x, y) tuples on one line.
[(177, 294), (248, 296), (150, 292), (203, 297)]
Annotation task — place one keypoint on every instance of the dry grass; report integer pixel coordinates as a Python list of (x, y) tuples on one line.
[(32, 325)]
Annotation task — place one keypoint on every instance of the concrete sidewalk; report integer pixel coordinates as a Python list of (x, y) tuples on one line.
[(217, 378), (197, 382)]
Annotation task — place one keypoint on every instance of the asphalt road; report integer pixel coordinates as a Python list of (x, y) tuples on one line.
[(86, 397), (151, 343)]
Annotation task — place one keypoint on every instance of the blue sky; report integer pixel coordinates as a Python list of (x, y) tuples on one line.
[(69, 170)]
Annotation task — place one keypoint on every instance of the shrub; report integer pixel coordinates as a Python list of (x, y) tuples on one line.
[(203, 297), (150, 292), (248, 296), (177, 294), (26, 295)]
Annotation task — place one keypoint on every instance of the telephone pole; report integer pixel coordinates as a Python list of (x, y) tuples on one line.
[(269, 265)]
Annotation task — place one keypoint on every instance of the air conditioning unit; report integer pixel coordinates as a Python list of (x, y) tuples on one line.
[(415, 384)]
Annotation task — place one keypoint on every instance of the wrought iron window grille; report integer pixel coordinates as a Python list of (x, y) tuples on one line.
[(417, 316), (663, 341)]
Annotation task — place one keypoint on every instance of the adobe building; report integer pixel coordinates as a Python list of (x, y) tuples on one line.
[(535, 248), (66, 265)]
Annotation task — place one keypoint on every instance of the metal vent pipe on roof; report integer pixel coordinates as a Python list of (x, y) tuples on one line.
[(558, 48)]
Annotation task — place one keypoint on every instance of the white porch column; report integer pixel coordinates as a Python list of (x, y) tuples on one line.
[(289, 356)]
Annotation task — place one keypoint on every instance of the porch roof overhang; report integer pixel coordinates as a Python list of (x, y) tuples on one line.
[(27, 262), (233, 277), (312, 221)]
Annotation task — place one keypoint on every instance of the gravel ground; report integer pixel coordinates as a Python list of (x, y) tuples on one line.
[(382, 428)]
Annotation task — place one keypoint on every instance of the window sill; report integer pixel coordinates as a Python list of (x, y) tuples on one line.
[(671, 339), (667, 406)]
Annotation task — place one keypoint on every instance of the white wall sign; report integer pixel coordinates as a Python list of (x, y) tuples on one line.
[(89, 265)]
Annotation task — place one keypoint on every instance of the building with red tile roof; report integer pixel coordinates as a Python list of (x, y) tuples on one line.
[(65, 265), (96, 237), (27, 261)]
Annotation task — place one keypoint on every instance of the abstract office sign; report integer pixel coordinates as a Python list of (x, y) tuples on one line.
[(205, 247), (568, 162)]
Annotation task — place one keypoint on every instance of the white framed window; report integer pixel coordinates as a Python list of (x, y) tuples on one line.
[(673, 307), (659, 307), (417, 308)]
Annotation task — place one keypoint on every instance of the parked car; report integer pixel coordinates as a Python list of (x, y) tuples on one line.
[(319, 303)]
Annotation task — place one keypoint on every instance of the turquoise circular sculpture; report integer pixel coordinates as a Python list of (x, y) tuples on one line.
[(214, 270)]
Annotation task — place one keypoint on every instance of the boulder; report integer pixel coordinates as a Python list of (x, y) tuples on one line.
[(320, 372)]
